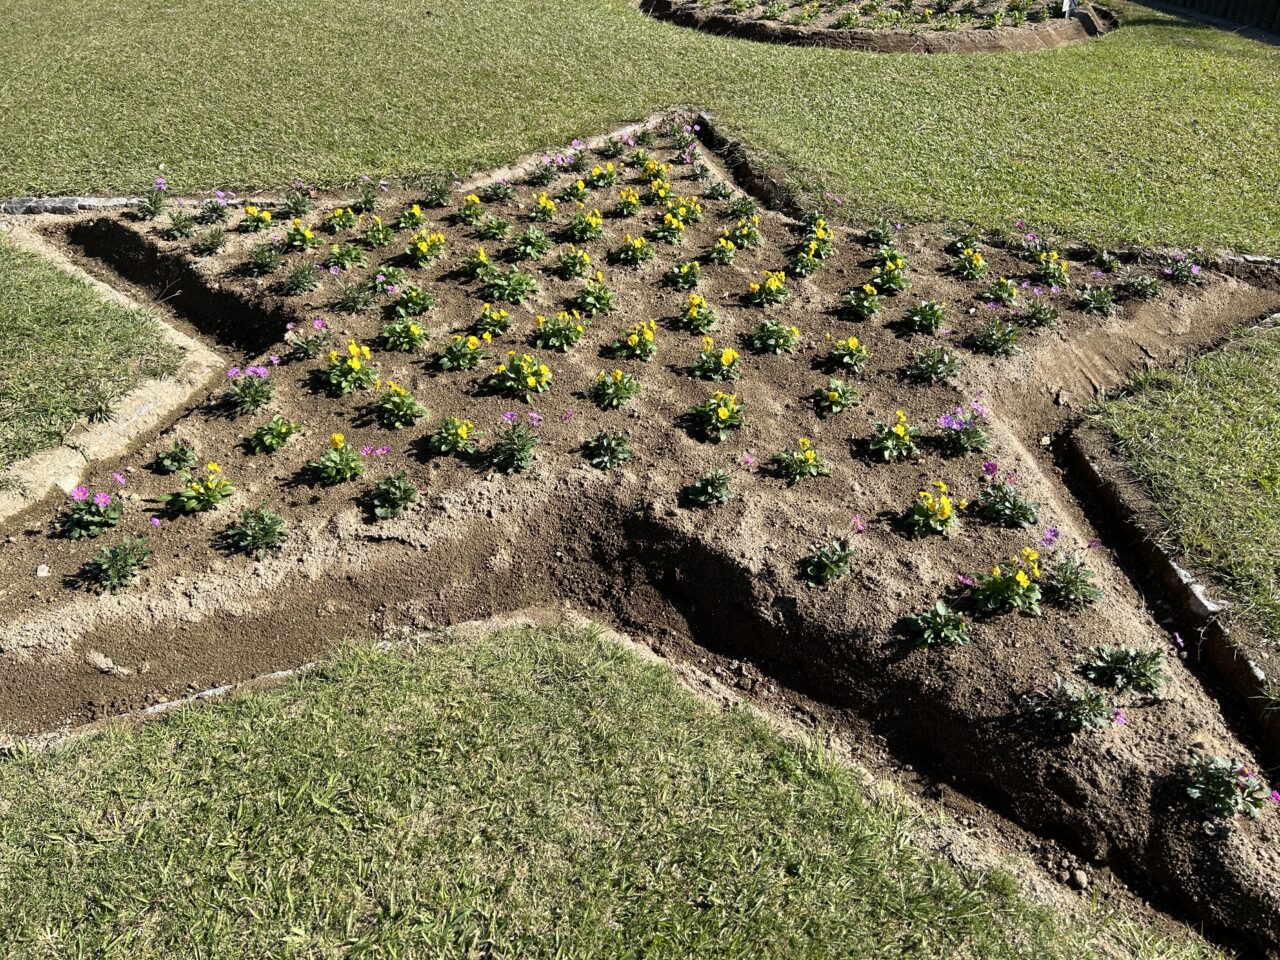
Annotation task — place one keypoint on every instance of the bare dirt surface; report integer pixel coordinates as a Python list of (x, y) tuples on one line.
[(814, 25), (720, 584)]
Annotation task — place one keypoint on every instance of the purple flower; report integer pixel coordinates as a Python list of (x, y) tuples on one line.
[(275, 360), (510, 416), (233, 372), (1119, 717), (566, 416), (366, 451), (382, 451), (990, 468), (748, 460), (365, 178), (80, 493), (535, 419), (1050, 537), (1195, 269), (155, 521), (1275, 796), (335, 270), (290, 325), (318, 324), (1093, 543), (161, 184), (966, 581), (1177, 638), (382, 185), (859, 525), (102, 499), (118, 477)]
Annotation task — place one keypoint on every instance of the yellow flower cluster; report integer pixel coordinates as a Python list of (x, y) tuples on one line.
[(774, 281), (726, 404), (546, 204), (257, 215), (427, 245), (642, 332), (357, 355), (728, 356), (901, 428), (939, 507), (526, 370)]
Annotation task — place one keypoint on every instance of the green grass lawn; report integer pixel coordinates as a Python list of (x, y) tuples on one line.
[(1165, 131), (531, 794), (68, 353), (1207, 442)]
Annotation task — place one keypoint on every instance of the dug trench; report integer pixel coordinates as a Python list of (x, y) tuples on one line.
[(719, 584)]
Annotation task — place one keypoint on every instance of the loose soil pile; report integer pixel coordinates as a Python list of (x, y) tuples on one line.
[(627, 544)]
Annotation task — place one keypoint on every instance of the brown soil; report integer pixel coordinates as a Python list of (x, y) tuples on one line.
[(719, 584), (827, 30)]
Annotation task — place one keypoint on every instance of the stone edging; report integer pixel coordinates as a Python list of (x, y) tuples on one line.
[(143, 408), (1089, 20), (29, 206), (1089, 458)]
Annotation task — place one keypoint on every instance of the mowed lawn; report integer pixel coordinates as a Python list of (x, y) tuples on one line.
[(68, 353), (1206, 440), (1164, 132), (529, 794)]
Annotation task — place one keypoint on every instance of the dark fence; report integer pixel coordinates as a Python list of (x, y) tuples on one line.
[(1264, 14)]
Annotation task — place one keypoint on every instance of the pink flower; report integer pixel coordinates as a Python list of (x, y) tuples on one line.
[(80, 493), (966, 581), (318, 324), (990, 468), (748, 460), (155, 521), (858, 523), (1275, 796), (1119, 717), (102, 499), (290, 325), (233, 372), (118, 478)]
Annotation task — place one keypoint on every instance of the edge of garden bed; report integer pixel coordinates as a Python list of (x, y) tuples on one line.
[(1089, 20), (1187, 594), (148, 405)]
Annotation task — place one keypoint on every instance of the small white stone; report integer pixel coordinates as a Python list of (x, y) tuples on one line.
[(42, 570)]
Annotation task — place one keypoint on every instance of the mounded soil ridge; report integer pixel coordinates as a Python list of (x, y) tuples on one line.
[(627, 544), (1089, 20)]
